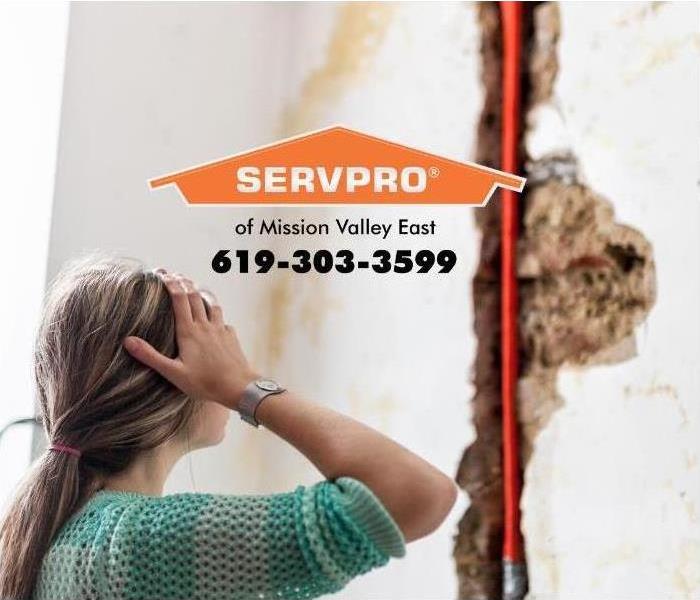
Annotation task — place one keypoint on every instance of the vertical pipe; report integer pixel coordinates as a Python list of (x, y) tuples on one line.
[(514, 573)]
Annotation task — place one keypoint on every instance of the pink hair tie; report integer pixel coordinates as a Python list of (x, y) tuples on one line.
[(65, 449)]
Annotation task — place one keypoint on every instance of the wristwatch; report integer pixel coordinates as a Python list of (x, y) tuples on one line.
[(253, 394)]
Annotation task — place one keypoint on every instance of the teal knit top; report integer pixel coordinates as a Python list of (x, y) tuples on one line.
[(191, 546)]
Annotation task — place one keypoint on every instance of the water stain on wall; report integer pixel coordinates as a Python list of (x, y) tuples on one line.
[(358, 34), (662, 54), (276, 313), (685, 575), (293, 304), (316, 307)]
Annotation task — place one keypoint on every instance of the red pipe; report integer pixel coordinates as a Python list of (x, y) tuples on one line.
[(511, 16)]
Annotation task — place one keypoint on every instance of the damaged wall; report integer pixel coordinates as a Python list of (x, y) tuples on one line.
[(613, 486), (611, 494), (609, 505)]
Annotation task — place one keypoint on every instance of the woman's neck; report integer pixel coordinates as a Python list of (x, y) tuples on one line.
[(148, 472)]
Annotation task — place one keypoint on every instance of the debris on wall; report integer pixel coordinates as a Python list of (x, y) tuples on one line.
[(585, 283)]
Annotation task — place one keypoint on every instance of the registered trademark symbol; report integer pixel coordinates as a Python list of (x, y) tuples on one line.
[(433, 172)]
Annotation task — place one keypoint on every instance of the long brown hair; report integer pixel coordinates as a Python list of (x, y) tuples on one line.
[(93, 396)]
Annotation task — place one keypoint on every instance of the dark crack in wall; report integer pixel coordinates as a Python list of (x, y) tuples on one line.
[(585, 283), (477, 550)]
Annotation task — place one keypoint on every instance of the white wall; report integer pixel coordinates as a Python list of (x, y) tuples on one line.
[(153, 88), (32, 50), (613, 489)]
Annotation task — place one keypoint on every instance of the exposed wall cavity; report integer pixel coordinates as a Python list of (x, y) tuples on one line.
[(585, 283), (477, 549)]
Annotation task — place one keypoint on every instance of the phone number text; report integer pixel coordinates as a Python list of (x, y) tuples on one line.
[(341, 261)]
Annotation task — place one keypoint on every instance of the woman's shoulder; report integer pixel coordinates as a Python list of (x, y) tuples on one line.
[(122, 507), (341, 503), (106, 509)]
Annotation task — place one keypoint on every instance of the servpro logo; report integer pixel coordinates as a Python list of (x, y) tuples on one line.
[(338, 166), (410, 180)]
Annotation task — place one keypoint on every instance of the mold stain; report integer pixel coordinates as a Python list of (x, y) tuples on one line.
[(357, 36), (619, 554), (277, 317), (316, 308), (545, 554), (548, 562), (653, 389), (638, 14), (656, 389), (685, 575), (661, 54), (690, 508)]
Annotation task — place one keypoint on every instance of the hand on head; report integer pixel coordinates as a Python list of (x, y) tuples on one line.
[(211, 364)]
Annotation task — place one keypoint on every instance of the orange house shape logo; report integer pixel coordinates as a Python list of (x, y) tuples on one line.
[(338, 166)]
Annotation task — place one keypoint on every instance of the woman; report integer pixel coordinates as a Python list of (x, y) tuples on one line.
[(135, 368)]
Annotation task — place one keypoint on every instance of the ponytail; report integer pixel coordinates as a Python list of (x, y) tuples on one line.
[(93, 396), (46, 498)]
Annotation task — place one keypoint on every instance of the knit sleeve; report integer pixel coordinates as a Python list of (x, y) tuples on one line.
[(299, 544)]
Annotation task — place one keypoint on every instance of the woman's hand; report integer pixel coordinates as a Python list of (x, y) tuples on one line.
[(211, 365)]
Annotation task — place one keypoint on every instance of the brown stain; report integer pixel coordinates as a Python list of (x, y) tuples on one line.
[(280, 313), (690, 508), (638, 14), (544, 60), (618, 554), (660, 54), (685, 579), (549, 563), (316, 307), (278, 318), (655, 389), (538, 400), (357, 36)]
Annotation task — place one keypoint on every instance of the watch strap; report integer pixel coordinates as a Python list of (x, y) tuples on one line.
[(253, 394)]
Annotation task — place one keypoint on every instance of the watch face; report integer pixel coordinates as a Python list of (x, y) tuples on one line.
[(267, 384)]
